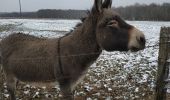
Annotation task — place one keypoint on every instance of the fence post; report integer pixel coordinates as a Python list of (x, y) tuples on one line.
[(163, 65), (1, 83)]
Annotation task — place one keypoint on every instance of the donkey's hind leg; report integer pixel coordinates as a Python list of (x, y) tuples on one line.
[(11, 86)]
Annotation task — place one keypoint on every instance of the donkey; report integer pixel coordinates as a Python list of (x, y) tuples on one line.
[(65, 60)]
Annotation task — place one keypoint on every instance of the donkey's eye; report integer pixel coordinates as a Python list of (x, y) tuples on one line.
[(113, 23)]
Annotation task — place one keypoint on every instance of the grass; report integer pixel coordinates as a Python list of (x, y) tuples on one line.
[(6, 27)]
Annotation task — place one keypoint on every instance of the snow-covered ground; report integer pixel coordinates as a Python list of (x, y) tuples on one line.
[(115, 75)]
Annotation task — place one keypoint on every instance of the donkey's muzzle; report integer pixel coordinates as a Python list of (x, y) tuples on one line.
[(137, 40)]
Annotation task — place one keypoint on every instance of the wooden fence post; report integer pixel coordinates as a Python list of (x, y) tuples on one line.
[(1, 83), (163, 65)]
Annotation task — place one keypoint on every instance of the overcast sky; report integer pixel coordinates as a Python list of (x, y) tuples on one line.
[(34, 5)]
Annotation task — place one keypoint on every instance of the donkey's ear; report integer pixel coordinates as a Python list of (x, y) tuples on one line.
[(97, 7), (107, 4)]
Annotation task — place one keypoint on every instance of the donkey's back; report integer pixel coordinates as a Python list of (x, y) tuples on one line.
[(16, 41)]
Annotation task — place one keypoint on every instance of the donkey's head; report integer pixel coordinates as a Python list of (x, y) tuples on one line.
[(112, 32)]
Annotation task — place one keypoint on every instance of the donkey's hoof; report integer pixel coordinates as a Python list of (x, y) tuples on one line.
[(67, 98)]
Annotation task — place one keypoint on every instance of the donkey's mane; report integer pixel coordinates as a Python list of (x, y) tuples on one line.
[(78, 24)]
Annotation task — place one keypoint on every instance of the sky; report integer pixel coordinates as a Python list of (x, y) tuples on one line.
[(34, 5)]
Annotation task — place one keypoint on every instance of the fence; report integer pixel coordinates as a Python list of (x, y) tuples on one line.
[(163, 76), (1, 83)]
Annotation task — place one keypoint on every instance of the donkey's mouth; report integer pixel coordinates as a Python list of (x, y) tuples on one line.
[(134, 49)]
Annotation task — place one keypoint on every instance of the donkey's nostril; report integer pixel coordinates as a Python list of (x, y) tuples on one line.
[(142, 40)]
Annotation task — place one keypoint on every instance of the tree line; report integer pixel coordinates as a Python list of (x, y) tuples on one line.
[(153, 11), (145, 12), (48, 13)]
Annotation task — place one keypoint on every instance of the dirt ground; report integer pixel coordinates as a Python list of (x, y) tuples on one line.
[(26, 92)]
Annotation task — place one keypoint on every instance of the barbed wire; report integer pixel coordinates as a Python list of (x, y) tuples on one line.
[(151, 46)]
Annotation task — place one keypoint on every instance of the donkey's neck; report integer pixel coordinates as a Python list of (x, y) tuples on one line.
[(82, 43), (86, 37)]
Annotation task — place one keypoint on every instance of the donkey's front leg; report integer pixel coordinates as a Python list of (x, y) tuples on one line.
[(11, 86), (66, 91)]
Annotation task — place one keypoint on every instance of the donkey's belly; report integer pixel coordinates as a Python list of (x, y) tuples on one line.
[(34, 77), (34, 71)]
